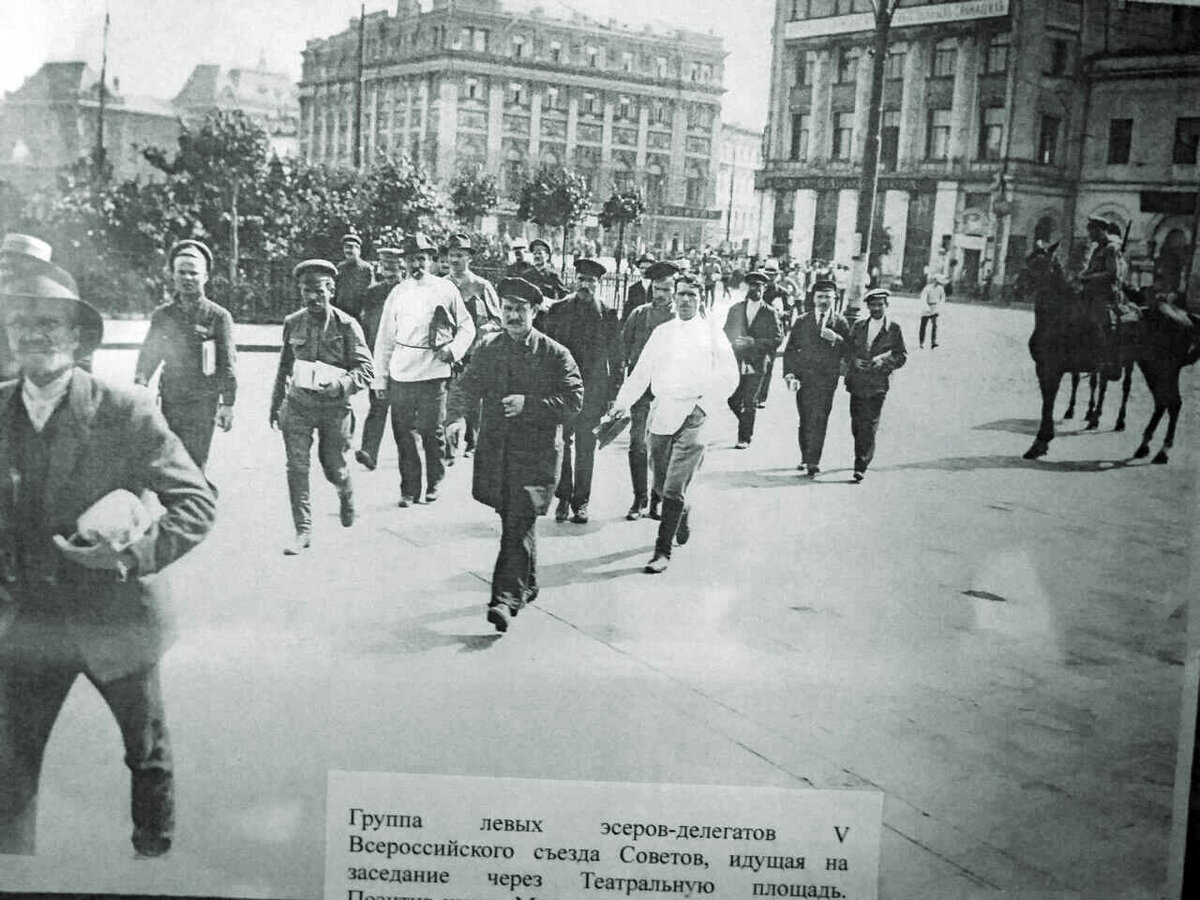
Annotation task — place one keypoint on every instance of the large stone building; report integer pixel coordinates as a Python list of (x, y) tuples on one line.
[(470, 83), (741, 158), (267, 97), (1004, 121)]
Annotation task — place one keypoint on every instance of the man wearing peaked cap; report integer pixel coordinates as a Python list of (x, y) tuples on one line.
[(191, 338), (639, 291), (875, 350), (639, 294), (524, 385), (323, 362), (391, 269), (541, 272), (590, 332), (520, 263), (354, 276), (91, 604), (425, 331)]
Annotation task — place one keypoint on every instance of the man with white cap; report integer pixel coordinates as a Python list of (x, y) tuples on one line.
[(324, 361), (192, 339), (84, 566), (876, 349)]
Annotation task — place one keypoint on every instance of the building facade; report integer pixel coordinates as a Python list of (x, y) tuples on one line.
[(995, 117), (741, 158), (470, 83), (267, 97)]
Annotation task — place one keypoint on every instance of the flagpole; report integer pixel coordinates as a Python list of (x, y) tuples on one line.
[(98, 153)]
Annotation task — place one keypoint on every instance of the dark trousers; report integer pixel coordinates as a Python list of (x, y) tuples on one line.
[(418, 414), (334, 425), (814, 401), (864, 422), (193, 420), (639, 466), (372, 433), (31, 697), (931, 321), (579, 461), (764, 386), (514, 579), (744, 405)]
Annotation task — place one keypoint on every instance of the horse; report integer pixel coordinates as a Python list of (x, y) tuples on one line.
[(1097, 391), (1064, 340)]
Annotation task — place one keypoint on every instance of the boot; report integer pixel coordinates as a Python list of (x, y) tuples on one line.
[(639, 478), (684, 532), (298, 497), (301, 542), (654, 501), (346, 504), (562, 511), (672, 512)]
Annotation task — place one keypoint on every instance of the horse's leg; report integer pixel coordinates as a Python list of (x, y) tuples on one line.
[(1174, 402), (1049, 379), (1070, 413), (1100, 401), (1126, 383), (1092, 420), (1160, 407)]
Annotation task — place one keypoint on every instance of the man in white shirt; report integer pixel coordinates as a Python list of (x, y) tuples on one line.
[(424, 330), (690, 367), (933, 295)]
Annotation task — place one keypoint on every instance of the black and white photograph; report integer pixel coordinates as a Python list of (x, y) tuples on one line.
[(775, 396)]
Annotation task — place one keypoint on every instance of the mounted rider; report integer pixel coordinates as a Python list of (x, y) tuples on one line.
[(1100, 290)]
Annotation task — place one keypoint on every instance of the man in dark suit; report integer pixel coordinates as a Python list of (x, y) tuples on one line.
[(354, 276), (638, 292), (541, 272), (812, 366), (753, 329), (82, 561), (876, 350), (581, 324), (391, 268), (525, 386)]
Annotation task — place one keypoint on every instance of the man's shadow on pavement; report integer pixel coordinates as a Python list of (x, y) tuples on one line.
[(1014, 461), (783, 477)]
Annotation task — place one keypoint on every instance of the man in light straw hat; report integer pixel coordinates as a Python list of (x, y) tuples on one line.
[(82, 580), (192, 339), (19, 253)]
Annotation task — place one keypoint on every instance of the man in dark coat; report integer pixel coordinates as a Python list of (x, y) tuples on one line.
[(526, 386), (354, 276), (192, 339), (391, 266), (639, 291), (812, 366), (876, 350), (541, 272), (753, 329), (581, 324), (82, 561)]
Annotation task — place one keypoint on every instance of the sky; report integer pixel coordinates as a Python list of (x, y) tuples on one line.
[(153, 44)]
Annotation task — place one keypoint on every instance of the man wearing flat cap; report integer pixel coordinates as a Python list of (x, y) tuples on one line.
[(391, 268), (525, 385), (812, 367), (639, 291), (753, 329), (324, 361), (581, 324), (541, 272), (424, 332), (636, 332), (876, 349), (484, 306), (191, 338), (354, 276), (84, 566)]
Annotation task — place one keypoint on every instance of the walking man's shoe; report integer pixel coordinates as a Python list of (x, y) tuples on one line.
[(684, 532), (431, 494), (405, 502), (499, 615), (658, 564), (741, 445), (654, 513), (301, 542), (581, 514), (813, 470), (366, 459), (346, 505), (562, 511), (858, 477), (637, 510)]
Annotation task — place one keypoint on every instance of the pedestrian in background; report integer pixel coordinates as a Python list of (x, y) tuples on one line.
[(324, 361), (525, 385), (812, 367), (191, 338), (638, 292), (933, 296), (876, 350), (753, 329), (391, 269), (354, 276), (425, 330), (84, 566), (540, 273)]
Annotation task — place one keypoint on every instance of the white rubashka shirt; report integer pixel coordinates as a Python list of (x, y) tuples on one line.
[(686, 364), (402, 349), (41, 402)]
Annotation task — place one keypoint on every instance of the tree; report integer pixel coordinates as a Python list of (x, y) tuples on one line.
[(622, 209), (473, 195), (557, 198)]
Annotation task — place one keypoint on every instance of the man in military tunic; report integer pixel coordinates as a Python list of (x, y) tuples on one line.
[(526, 385), (192, 339), (1099, 283), (324, 361), (354, 276), (391, 267), (541, 273), (581, 324)]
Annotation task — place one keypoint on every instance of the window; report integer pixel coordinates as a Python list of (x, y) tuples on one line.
[(1187, 138), (889, 140), (556, 52), (518, 46), (479, 40), (1120, 139), (471, 89), (516, 94), (660, 67), (592, 54), (626, 61), (654, 189), (1059, 57), (893, 65), (991, 132), (937, 136), (843, 135), (554, 98), (843, 7), (806, 65), (624, 108), (694, 191), (945, 55), (799, 9), (661, 114), (800, 128), (514, 175), (589, 105), (996, 56), (847, 65), (1048, 140)]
